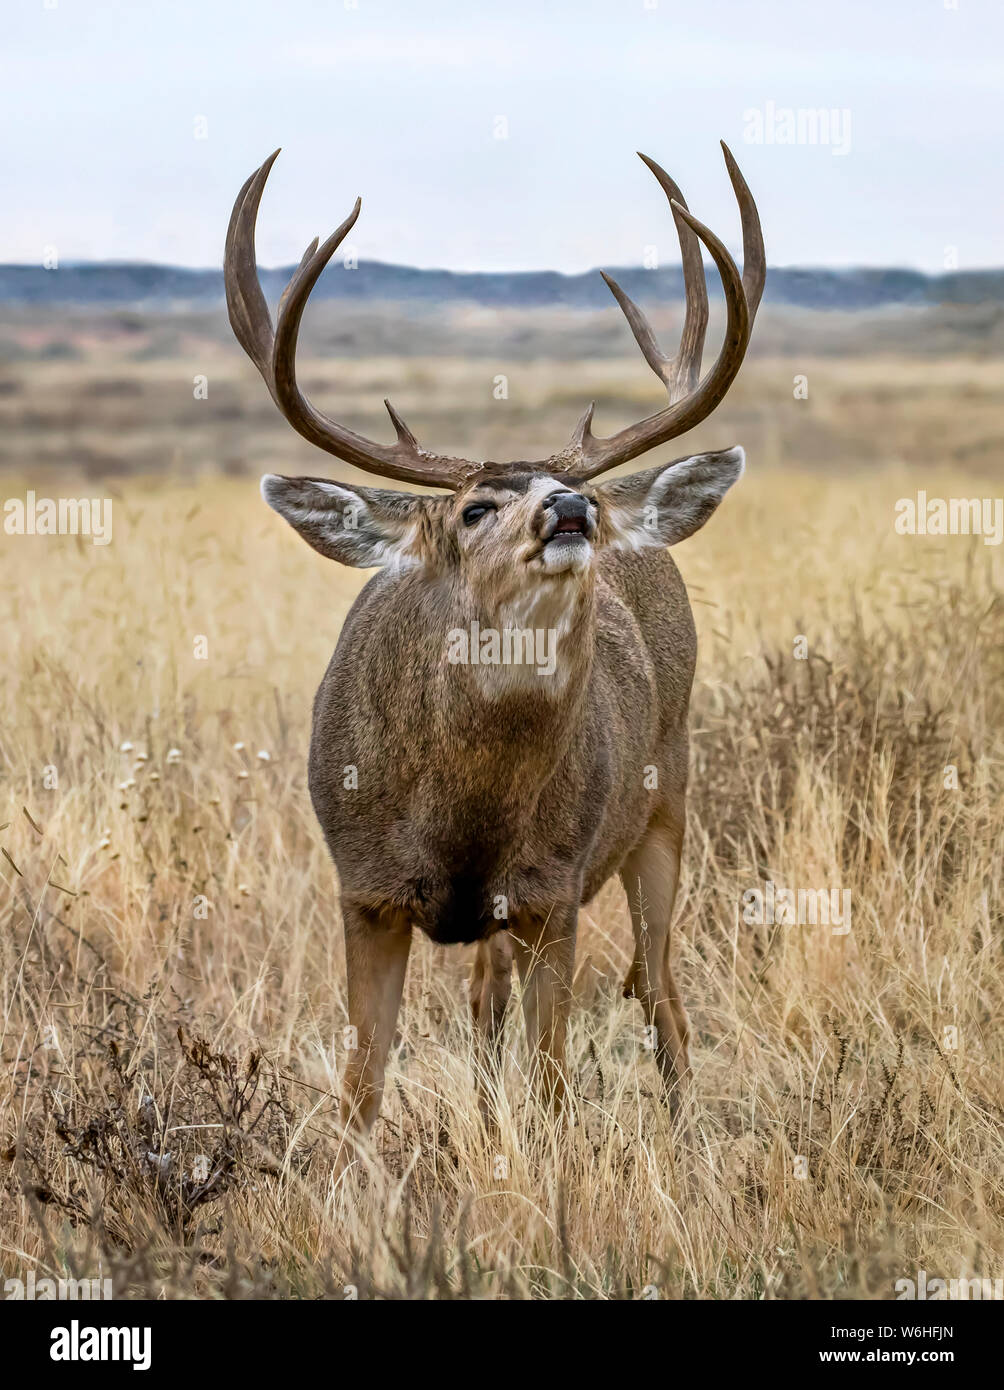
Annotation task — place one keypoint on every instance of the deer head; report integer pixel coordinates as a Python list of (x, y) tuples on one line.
[(506, 526)]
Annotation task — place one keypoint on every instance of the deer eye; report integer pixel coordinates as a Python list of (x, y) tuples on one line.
[(476, 511)]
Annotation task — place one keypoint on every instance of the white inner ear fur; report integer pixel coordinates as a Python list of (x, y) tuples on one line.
[(369, 541), (280, 496), (677, 502)]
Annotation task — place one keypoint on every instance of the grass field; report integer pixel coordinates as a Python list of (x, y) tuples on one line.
[(171, 981)]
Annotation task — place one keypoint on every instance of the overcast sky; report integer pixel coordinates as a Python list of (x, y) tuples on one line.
[(103, 103)]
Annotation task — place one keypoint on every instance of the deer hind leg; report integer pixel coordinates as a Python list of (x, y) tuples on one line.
[(650, 875), (376, 959), (545, 955), (491, 985)]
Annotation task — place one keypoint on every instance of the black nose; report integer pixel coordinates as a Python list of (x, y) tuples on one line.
[(568, 504)]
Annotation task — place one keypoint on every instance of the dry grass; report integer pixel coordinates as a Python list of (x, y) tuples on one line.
[(199, 1163), (114, 394)]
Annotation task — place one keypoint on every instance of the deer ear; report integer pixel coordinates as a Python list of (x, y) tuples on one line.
[(663, 505), (365, 527)]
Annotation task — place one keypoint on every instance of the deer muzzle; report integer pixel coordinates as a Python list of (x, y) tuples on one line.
[(568, 520)]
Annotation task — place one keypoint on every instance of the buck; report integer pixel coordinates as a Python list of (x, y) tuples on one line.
[(485, 800)]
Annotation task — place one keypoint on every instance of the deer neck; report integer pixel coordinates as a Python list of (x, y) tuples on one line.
[(532, 644), (509, 696)]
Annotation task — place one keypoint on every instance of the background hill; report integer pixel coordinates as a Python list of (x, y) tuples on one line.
[(160, 286)]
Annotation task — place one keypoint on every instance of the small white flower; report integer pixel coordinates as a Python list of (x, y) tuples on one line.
[(264, 755), (125, 747), (140, 758), (103, 844), (238, 747), (242, 775), (174, 755), (243, 888), (129, 782)]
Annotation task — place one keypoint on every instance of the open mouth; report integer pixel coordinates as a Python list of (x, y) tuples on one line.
[(569, 527)]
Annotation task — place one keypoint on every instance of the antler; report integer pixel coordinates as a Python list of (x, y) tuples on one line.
[(274, 351), (689, 402)]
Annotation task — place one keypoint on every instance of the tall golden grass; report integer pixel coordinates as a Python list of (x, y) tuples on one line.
[(170, 960)]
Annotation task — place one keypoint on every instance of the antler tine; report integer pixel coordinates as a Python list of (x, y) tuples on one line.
[(690, 401), (682, 372), (754, 256), (303, 261), (273, 351), (291, 305), (236, 309), (249, 316)]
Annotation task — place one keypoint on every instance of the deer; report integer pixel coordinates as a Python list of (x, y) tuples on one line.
[(471, 780)]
